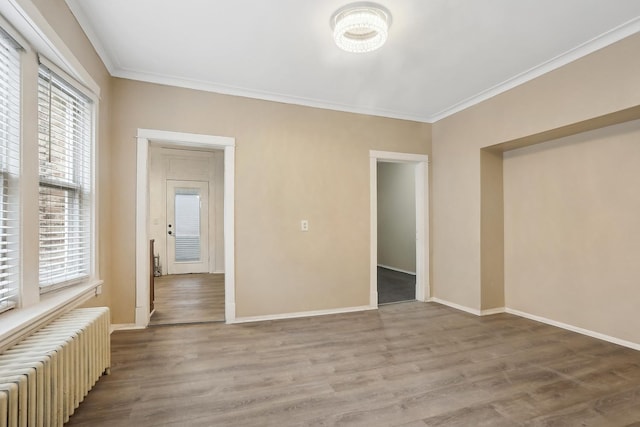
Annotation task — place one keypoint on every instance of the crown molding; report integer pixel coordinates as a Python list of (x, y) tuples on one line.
[(38, 35), (614, 35), (261, 95), (85, 23)]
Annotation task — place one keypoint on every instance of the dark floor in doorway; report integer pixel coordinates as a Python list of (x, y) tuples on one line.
[(394, 286)]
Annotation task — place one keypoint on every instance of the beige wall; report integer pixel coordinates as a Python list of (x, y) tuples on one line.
[(65, 25), (397, 216), (297, 162), (292, 163), (601, 83), (572, 229)]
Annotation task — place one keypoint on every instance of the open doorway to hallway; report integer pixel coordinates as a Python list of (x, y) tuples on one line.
[(417, 226), (188, 298), (396, 269), (145, 138), (186, 223)]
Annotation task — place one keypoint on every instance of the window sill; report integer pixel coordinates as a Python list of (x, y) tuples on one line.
[(19, 322)]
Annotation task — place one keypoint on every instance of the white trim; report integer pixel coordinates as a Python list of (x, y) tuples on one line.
[(95, 191), (303, 314), (125, 327), (69, 79), (470, 310), (423, 291), (142, 232), (262, 95), (85, 24), (392, 156), (421, 162), (614, 35), (19, 322), (492, 311), (373, 231), (229, 232), (587, 332), (466, 309), (189, 140), (17, 37), (144, 137), (27, 19), (413, 273)]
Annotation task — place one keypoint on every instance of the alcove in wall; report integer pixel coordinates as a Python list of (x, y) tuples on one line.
[(494, 295)]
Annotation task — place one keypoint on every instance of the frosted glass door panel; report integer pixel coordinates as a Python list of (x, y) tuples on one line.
[(187, 224)]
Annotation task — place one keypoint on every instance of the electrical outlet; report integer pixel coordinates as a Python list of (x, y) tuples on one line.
[(304, 225)]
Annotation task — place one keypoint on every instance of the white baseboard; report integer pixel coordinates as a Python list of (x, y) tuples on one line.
[(587, 332), (572, 328), (302, 314), (229, 312), (373, 298), (491, 311), (475, 311), (456, 306), (125, 327), (413, 273), (142, 317)]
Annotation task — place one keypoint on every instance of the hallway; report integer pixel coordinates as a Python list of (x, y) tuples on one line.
[(394, 286), (188, 298)]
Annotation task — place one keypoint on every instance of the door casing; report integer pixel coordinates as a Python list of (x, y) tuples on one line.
[(421, 163), (179, 139)]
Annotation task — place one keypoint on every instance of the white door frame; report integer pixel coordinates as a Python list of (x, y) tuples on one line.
[(179, 139), (421, 162)]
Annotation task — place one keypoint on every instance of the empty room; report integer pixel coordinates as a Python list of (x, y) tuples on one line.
[(252, 213)]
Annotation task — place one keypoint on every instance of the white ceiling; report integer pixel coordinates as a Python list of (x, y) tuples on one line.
[(441, 55)]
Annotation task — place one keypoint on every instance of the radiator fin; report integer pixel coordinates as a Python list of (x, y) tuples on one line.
[(45, 376)]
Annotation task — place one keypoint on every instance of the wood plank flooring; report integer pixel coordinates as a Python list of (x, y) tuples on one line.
[(188, 298), (394, 286), (411, 364)]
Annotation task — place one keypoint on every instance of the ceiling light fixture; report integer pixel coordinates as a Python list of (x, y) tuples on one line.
[(360, 27)]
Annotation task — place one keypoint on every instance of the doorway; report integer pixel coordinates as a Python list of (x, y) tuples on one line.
[(418, 166), (396, 232), (188, 298), (185, 214), (144, 223)]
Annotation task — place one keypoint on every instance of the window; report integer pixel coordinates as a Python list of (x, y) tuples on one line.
[(65, 143), (9, 169), (187, 222), (48, 233)]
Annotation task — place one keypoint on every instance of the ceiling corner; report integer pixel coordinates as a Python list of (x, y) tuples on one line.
[(614, 35), (85, 23)]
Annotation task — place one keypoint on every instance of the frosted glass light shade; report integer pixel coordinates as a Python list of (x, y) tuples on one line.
[(360, 27)]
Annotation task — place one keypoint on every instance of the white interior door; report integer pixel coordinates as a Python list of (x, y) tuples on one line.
[(187, 227)]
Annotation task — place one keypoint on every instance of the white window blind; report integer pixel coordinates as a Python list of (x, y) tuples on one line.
[(9, 169), (65, 144)]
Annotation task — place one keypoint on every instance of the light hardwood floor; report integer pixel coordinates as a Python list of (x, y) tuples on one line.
[(188, 298), (411, 364)]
